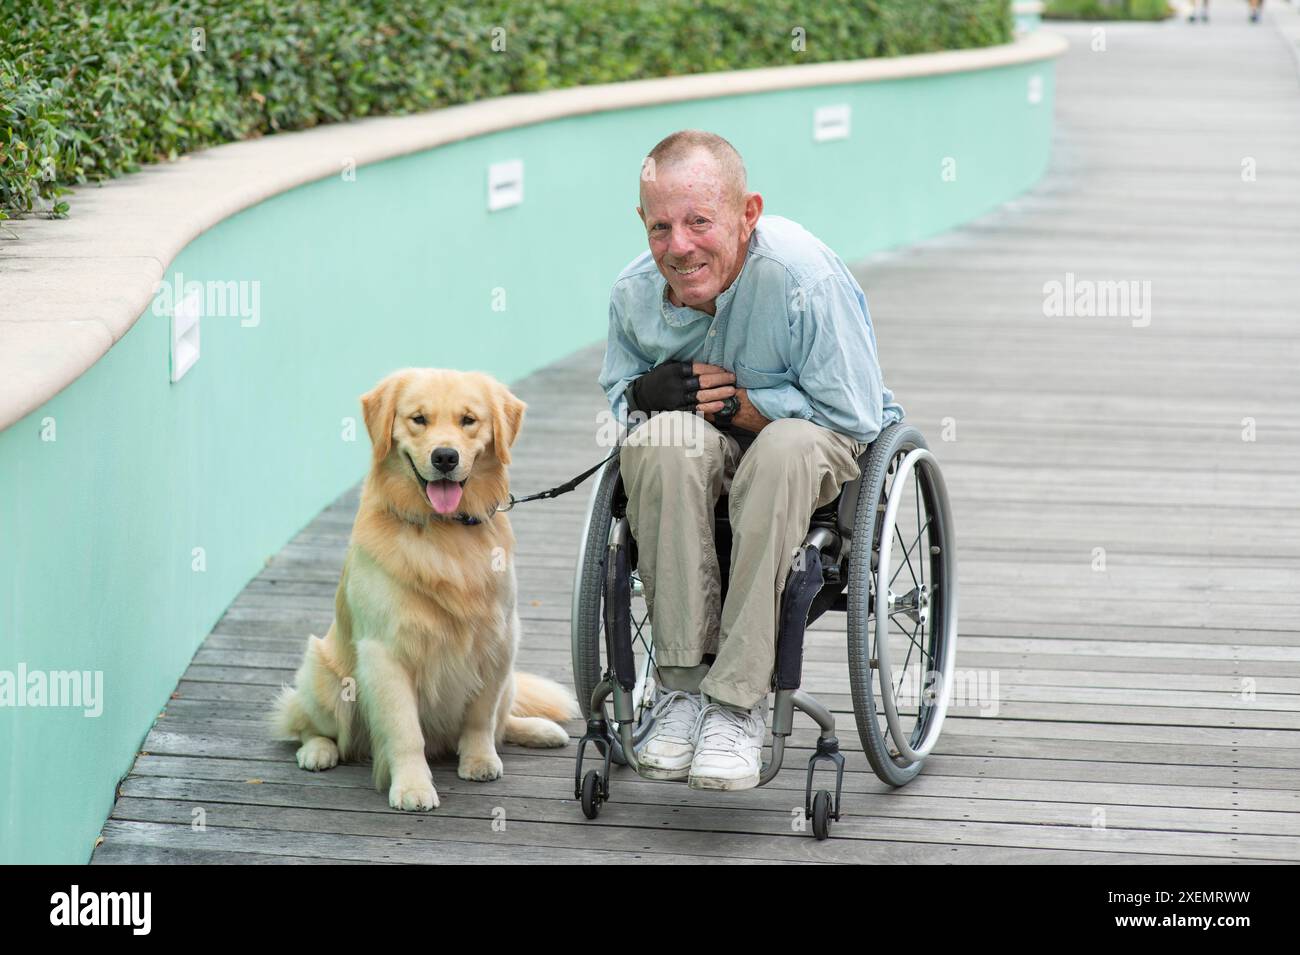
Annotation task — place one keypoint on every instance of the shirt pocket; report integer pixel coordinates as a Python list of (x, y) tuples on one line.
[(747, 377)]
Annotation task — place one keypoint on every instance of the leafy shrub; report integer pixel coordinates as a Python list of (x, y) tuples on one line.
[(1106, 9), (91, 90)]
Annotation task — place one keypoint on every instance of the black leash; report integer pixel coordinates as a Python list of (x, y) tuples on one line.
[(469, 519), (564, 488), (722, 422)]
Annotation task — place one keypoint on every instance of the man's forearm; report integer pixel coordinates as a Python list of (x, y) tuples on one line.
[(747, 417), (781, 401)]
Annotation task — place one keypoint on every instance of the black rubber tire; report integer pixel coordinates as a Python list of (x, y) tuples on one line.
[(587, 632), (896, 438), (821, 815), (591, 793)]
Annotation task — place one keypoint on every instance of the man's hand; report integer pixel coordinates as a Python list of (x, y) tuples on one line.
[(695, 386), (745, 417), (716, 385), (679, 386), (710, 398)]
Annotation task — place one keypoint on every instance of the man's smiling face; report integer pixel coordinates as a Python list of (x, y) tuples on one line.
[(698, 228)]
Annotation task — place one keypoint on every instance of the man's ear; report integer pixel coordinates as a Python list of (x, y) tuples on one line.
[(507, 416), (752, 210), (379, 405)]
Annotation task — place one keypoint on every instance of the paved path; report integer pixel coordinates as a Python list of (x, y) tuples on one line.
[(1149, 705)]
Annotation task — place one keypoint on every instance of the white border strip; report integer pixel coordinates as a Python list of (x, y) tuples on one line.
[(71, 288)]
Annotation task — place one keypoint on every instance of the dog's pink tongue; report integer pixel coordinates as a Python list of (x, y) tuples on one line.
[(444, 495)]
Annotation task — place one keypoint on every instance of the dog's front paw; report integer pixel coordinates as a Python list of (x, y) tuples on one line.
[(481, 768), (318, 753), (412, 794)]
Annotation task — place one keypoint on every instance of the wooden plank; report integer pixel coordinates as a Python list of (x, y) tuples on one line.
[(1251, 784), (533, 799), (385, 848), (125, 852), (247, 742), (769, 836), (1088, 783)]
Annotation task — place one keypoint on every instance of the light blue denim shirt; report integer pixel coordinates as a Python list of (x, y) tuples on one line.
[(794, 327)]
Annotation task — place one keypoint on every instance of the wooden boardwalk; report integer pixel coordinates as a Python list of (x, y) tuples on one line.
[(1149, 711)]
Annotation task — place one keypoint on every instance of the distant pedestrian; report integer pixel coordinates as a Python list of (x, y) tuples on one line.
[(1205, 11)]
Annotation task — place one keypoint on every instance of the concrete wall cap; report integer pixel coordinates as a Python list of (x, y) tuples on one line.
[(70, 289)]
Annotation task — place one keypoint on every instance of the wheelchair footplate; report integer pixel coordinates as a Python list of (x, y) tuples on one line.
[(592, 787)]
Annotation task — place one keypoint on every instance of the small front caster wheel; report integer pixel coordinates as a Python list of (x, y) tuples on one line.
[(591, 794), (821, 814)]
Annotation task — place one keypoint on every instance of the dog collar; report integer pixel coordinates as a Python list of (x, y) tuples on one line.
[(460, 518)]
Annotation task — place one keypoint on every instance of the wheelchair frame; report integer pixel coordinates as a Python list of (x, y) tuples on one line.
[(822, 577)]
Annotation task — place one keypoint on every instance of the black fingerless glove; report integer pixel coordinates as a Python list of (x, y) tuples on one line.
[(669, 387)]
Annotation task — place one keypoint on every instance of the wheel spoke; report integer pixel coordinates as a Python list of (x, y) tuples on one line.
[(907, 556), (639, 624), (902, 674), (911, 636), (920, 557), (905, 562)]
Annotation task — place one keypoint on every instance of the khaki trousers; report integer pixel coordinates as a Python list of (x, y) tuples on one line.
[(675, 466)]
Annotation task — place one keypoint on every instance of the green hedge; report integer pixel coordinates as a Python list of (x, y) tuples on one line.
[(93, 90), (1106, 10)]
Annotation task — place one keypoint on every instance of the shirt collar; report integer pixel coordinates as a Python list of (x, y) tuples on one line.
[(680, 316)]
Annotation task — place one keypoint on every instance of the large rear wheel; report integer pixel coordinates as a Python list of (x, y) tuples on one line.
[(902, 604), (588, 619)]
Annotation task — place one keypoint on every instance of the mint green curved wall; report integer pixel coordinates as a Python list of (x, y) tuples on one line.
[(98, 527)]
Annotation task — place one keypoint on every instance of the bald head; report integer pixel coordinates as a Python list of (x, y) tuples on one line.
[(695, 146)]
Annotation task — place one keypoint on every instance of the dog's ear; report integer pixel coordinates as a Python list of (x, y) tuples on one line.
[(507, 416), (379, 405)]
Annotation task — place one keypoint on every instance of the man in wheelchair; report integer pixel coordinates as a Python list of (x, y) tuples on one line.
[(742, 359)]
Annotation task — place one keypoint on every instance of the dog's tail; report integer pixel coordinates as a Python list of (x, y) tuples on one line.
[(538, 696), (287, 718)]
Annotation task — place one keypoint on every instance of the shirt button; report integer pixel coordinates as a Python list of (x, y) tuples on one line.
[(712, 332)]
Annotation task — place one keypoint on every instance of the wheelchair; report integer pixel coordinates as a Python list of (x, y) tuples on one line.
[(883, 553)]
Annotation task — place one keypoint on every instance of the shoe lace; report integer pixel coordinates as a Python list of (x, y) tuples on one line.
[(729, 730), (675, 718)]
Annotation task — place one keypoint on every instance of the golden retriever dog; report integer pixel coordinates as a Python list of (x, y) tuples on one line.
[(419, 661)]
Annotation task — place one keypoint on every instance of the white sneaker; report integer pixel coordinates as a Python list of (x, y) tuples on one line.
[(669, 747), (728, 747)]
